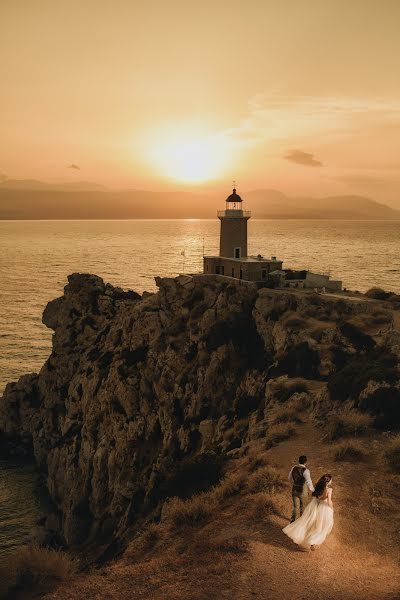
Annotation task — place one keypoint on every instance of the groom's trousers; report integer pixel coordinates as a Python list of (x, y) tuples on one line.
[(298, 506)]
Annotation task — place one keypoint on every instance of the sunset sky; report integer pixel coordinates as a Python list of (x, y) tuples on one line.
[(298, 95)]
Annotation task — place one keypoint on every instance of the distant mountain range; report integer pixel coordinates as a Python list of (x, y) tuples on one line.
[(32, 199)]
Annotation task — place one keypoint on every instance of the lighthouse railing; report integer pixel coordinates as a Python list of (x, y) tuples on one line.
[(232, 212)]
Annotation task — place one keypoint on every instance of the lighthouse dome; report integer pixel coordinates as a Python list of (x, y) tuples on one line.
[(234, 197)]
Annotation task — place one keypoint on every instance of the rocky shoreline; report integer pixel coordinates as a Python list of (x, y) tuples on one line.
[(138, 386)]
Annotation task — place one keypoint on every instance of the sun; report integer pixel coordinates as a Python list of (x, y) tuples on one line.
[(189, 159)]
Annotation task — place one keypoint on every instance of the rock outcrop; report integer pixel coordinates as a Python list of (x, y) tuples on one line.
[(136, 385)]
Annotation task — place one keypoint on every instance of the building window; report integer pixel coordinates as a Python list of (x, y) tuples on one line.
[(206, 267), (241, 274), (222, 270), (217, 270), (263, 273), (237, 252), (233, 272)]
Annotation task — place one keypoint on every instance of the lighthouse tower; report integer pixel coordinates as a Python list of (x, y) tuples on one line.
[(233, 236), (233, 259)]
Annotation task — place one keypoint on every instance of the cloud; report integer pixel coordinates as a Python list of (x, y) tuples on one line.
[(275, 118), (77, 167), (302, 158)]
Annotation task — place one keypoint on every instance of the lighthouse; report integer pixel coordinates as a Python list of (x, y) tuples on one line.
[(233, 259), (233, 235)]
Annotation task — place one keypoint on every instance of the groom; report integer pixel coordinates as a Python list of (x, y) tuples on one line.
[(300, 479)]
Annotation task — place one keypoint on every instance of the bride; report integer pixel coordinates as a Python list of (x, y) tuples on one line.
[(316, 522)]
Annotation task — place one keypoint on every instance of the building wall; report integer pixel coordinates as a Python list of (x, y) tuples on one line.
[(233, 235), (249, 271), (317, 280)]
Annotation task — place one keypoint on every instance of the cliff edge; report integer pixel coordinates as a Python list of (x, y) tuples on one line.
[(138, 386)]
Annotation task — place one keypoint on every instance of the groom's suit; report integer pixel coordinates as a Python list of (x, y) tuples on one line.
[(300, 479)]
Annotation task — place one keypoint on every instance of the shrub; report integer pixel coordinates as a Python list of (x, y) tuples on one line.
[(301, 361), (377, 293), (287, 414), (353, 377), (348, 451), (381, 317), (144, 542), (35, 567), (237, 544), (263, 505), (255, 461), (285, 390), (279, 433), (267, 479), (195, 474), (295, 320), (300, 402), (392, 454), (240, 330), (245, 404), (380, 294), (357, 338), (384, 405), (194, 511), (347, 424), (231, 485)]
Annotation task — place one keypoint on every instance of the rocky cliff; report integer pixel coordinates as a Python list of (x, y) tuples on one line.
[(136, 386)]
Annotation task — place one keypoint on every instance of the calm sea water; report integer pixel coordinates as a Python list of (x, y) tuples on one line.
[(19, 504), (37, 256)]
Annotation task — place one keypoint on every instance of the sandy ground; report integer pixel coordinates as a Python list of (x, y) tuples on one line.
[(358, 560)]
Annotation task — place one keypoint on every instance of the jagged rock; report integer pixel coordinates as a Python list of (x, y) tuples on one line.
[(136, 384)]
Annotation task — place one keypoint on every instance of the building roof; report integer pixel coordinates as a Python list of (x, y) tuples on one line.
[(234, 197)]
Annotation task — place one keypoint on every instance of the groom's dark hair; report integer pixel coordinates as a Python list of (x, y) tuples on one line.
[(302, 459)]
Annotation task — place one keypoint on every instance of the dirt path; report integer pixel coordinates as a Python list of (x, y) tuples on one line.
[(358, 560)]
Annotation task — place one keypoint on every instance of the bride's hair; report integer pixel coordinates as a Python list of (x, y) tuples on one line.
[(321, 485)]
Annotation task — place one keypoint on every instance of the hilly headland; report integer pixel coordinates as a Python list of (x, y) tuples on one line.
[(31, 199), (164, 425)]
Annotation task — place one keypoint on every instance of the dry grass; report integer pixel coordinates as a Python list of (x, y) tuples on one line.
[(237, 544), (348, 424), (279, 433), (300, 403), (392, 453), (144, 543), (35, 568), (286, 414), (233, 484), (263, 506), (284, 389), (295, 321), (193, 511), (256, 461), (348, 450), (267, 479)]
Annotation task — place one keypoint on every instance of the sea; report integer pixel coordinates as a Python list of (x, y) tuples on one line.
[(37, 256)]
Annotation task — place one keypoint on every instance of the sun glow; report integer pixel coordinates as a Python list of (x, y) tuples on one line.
[(190, 159)]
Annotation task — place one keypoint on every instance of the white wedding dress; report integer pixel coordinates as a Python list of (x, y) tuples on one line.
[(314, 525)]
